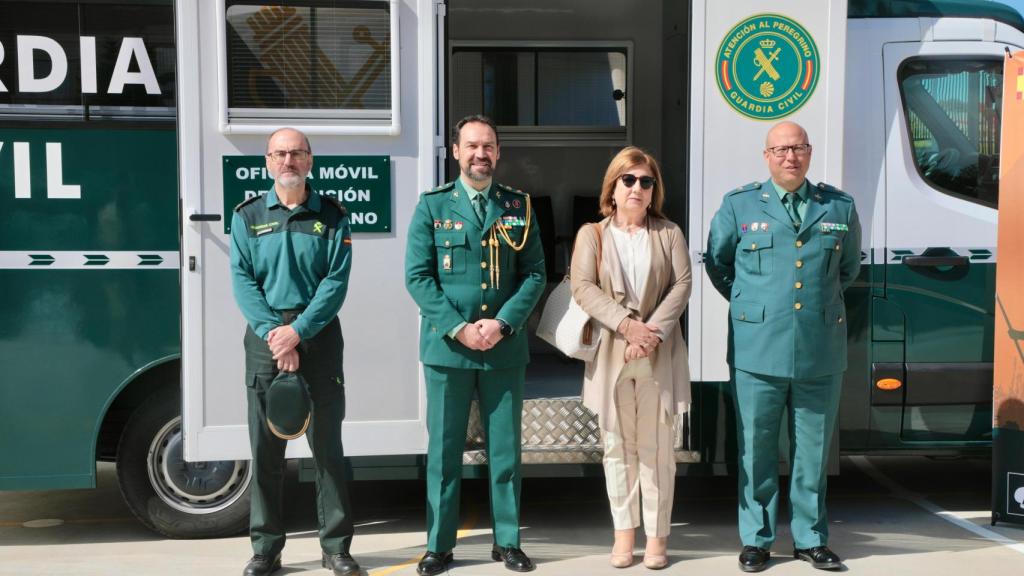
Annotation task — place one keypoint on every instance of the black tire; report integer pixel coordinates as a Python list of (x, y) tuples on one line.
[(170, 496)]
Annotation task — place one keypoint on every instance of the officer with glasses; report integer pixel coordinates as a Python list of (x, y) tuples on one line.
[(782, 252), (291, 252)]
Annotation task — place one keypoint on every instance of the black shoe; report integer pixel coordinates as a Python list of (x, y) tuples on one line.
[(514, 558), (341, 564), (260, 565), (434, 563), (820, 557), (754, 559)]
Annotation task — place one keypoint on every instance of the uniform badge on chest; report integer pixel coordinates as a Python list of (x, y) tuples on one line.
[(446, 262)]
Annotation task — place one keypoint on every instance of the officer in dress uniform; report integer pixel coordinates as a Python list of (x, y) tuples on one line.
[(291, 252), (475, 267), (782, 252)]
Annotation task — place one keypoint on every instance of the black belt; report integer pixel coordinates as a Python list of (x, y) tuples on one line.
[(289, 315)]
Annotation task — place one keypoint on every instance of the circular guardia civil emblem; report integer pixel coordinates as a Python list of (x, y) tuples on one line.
[(767, 66)]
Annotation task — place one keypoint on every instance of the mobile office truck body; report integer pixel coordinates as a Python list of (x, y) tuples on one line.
[(120, 216)]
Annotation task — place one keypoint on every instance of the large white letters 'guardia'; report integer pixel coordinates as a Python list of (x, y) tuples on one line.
[(32, 49)]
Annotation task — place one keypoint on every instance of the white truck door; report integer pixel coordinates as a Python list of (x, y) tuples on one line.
[(359, 78), (753, 66), (942, 100)]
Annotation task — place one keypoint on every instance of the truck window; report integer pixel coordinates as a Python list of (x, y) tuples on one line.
[(324, 61), (580, 92), (86, 61), (952, 109)]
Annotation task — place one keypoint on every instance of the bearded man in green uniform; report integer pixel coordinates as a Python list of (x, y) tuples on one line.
[(783, 252), (475, 267), (291, 252)]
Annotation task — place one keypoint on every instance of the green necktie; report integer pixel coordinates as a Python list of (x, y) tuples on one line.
[(792, 198), (481, 210)]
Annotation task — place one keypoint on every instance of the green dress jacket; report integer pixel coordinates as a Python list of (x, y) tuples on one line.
[(787, 316), (458, 270)]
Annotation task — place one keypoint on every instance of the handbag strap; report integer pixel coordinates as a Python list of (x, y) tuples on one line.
[(597, 269)]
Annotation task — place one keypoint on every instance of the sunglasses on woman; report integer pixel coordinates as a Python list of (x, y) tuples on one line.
[(629, 180)]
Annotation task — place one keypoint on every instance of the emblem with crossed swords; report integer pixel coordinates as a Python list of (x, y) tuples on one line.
[(765, 63)]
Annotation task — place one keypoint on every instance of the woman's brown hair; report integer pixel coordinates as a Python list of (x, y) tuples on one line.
[(627, 159)]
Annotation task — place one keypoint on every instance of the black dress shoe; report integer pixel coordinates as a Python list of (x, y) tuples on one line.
[(820, 557), (434, 563), (341, 564), (260, 565), (514, 558), (754, 559)]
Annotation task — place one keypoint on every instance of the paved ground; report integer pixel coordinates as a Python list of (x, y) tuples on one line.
[(888, 516)]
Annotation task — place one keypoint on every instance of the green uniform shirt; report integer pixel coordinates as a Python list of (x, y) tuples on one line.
[(787, 315), (457, 275), (285, 259), (801, 207), (473, 194)]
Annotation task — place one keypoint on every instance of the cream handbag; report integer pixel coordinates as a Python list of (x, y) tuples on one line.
[(565, 325)]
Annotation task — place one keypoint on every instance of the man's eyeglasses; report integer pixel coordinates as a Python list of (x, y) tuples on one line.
[(280, 155), (783, 151), (629, 180)]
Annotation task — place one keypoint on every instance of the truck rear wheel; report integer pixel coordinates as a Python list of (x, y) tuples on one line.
[(175, 498)]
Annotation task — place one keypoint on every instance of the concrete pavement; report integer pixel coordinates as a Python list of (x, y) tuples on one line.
[(888, 516)]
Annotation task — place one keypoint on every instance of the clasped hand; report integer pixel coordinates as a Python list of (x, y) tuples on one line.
[(483, 334), (282, 342), (641, 335)]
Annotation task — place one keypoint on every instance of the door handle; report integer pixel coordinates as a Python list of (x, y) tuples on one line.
[(197, 217), (931, 261)]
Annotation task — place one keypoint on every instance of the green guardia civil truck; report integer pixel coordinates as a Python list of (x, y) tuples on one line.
[(129, 129)]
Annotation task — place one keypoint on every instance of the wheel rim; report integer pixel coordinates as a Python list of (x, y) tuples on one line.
[(193, 487)]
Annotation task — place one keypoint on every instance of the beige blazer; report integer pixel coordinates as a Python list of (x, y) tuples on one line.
[(662, 303)]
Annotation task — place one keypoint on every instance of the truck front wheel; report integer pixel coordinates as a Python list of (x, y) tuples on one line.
[(170, 496)]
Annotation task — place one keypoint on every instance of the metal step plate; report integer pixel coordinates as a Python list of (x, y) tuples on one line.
[(561, 431)]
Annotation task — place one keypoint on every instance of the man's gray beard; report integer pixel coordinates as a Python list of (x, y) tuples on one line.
[(289, 181)]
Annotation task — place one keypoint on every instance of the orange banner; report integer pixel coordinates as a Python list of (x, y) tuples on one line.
[(1008, 388)]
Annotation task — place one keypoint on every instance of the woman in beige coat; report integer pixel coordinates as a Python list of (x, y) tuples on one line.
[(639, 379)]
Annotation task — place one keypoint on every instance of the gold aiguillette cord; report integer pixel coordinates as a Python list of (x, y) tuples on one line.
[(495, 253)]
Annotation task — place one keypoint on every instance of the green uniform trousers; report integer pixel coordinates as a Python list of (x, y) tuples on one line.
[(320, 363), (811, 406), (449, 394)]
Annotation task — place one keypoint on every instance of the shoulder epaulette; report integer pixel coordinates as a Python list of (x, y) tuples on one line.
[(745, 188), (829, 188), (337, 204), (510, 190), (442, 188), (246, 202)]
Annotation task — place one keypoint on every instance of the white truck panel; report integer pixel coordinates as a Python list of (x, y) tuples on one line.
[(385, 402), (729, 151)]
